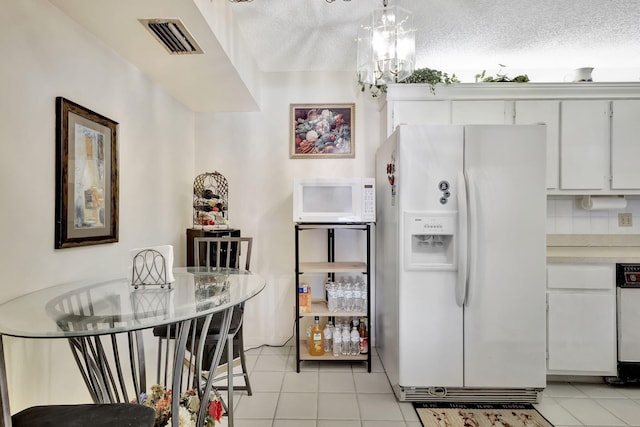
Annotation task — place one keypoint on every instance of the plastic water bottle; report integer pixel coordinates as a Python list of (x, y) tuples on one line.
[(346, 339), (340, 296), (327, 337), (333, 298), (357, 296), (348, 296), (355, 341), (363, 298), (337, 341)]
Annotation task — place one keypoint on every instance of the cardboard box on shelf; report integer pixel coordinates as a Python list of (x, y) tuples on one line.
[(304, 297)]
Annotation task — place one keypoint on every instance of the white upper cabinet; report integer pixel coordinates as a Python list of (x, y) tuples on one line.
[(625, 144), (421, 113), (584, 145), (478, 112), (547, 112), (593, 130)]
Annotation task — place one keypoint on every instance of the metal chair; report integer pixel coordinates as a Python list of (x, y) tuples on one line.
[(78, 415), (226, 252)]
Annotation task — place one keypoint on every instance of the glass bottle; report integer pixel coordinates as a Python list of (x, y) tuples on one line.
[(92, 188), (317, 338), (364, 336)]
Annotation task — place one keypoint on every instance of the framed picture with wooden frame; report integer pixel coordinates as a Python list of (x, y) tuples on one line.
[(323, 131), (86, 177)]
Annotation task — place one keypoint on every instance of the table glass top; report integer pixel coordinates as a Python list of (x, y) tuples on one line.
[(101, 307)]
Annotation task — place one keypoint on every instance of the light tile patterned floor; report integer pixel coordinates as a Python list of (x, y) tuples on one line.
[(335, 394)]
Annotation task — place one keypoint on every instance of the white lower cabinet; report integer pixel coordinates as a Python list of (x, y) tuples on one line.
[(581, 319)]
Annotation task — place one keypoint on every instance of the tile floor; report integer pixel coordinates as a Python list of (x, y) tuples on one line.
[(342, 394)]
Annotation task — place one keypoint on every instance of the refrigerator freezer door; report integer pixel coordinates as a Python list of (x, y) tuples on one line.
[(430, 322), (504, 317)]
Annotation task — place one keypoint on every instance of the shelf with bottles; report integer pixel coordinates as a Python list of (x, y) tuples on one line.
[(321, 308), (348, 296), (330, 356), (324, 341), (331, 254), (332, 267)]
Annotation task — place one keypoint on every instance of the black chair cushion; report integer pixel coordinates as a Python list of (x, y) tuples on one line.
[(88, 415)]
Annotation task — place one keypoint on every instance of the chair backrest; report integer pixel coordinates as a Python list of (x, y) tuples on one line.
[(226, 252)]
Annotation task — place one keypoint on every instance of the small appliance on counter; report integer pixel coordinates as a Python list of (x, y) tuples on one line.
[(334, 200), (210, 202)]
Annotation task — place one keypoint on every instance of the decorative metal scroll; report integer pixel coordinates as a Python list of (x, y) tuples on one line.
[(149, 268)]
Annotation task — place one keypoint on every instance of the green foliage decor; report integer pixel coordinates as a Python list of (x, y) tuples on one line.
[(482, 77), (433, 77)]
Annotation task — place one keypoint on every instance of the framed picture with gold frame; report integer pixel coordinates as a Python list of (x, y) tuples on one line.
[(323, 131), (86, 177)]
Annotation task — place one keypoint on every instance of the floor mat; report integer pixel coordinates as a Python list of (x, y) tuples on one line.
[(438, 414)]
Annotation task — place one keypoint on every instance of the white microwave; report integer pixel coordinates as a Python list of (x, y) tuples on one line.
[(334, 200)]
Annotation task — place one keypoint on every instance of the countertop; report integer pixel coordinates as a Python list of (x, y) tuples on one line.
[(607, 248)]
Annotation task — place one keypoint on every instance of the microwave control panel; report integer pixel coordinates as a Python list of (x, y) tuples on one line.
[(368, 201)]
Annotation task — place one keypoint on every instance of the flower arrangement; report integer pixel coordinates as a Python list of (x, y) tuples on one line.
[(160, 401)]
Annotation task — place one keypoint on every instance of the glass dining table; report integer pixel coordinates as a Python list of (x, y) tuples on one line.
[(105, 321)]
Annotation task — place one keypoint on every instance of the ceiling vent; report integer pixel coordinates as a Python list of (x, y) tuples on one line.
[(173, 35)]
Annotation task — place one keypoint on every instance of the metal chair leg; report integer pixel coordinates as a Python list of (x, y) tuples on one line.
[(230, 377)]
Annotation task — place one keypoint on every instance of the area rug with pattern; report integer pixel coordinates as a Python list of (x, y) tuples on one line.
[(439, 414)]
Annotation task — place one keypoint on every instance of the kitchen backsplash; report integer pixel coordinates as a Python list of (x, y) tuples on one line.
[(566, 216)]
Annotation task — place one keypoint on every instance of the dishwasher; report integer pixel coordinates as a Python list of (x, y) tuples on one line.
[(628, 313)]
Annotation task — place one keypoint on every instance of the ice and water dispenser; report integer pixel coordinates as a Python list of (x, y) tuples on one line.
[(430, 241)]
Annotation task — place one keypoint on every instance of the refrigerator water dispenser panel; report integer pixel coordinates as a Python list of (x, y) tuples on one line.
[(430, 242)]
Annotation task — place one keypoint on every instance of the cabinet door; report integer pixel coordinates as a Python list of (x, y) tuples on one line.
[(625, 144), (584, 145), (421, 113), (547, 112), (582, 333), (478, 113)]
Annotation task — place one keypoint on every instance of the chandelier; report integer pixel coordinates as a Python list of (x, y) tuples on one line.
[(386, 46)]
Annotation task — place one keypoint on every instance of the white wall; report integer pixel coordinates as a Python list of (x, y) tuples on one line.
[(46, 55), (252, 151)]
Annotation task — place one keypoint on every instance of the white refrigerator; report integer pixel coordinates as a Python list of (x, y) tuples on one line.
[(460, 262)]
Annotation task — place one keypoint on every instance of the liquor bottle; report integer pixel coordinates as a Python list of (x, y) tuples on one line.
[(317, 339), (92, 187), (364, 336)]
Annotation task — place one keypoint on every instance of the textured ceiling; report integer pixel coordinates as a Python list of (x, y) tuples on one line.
[(455, 36), (299, 35)]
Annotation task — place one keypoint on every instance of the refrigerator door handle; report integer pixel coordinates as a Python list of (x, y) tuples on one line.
[(472, 235), (463, 251)]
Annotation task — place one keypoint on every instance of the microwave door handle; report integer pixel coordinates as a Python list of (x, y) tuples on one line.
[(463, 244)]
